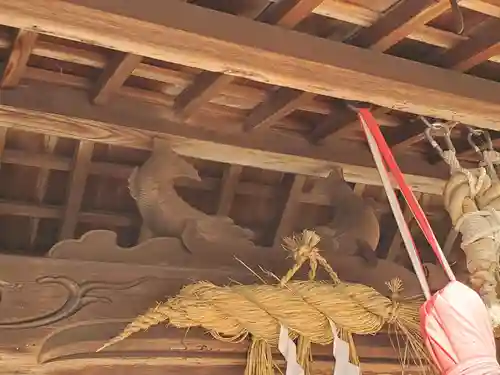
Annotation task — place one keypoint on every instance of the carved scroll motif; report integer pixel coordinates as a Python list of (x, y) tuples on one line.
[(78, 295)]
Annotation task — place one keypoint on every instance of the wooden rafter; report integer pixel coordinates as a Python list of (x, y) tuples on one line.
[(115, 74), (383, 34), (81, 168), (339, 121), (407, 136), (287, 13), (365, 17), (280, 103), (19, 54), (229, 188), (251, 49), (398, 23), (481, 46)]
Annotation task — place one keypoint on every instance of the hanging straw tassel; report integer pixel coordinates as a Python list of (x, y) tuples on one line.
[(259, 359)]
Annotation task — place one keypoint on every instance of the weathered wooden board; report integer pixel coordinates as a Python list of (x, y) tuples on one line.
[(55, 313), (200, 38)]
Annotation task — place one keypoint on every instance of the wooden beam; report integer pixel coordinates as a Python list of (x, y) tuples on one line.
[(121, 171), (129, 123), (229, 188), (55, 212), (398, 23), (76, 188), (189, 35), (42, 183), (481, 45), (19, 54), (407, 136), (280, 104), (286, 13), (291, 203), (115, 74), (339, 121), (391, 28)]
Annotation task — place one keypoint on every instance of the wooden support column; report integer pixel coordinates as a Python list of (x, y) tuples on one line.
[(230, 182), (76, 188), (42, 182), (291, 203), (19, 54), (285, 13)]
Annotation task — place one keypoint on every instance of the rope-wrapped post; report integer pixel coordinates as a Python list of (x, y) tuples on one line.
[(470, 199), (306, 308)]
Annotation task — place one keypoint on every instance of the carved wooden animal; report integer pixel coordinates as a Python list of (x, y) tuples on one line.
[(354, 228), (163, 211)]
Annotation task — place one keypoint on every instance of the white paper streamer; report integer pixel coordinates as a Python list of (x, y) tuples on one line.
[(289, 350), (341, 355)]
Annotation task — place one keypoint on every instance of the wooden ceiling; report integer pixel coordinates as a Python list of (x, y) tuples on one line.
[(87, 85)]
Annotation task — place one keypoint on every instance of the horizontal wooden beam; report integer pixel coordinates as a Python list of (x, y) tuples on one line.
[(66, 112), (189, 35), (54, 212)]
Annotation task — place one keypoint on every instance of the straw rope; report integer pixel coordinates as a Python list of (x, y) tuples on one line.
[(306, 308), (472, 198)]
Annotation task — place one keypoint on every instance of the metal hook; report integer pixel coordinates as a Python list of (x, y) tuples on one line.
[(458, 15), (478, 133), (438, 126)]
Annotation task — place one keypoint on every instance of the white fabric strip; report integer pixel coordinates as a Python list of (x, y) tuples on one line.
[(341, 355), (288, 349), (396, 210)]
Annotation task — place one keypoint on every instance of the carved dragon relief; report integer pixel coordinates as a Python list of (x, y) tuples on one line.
[(164, 212), (78, 295)]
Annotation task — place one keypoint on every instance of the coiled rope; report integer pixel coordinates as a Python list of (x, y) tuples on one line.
[(306, 308), (472, 199)]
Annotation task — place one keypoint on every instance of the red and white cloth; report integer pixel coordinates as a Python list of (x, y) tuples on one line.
[(455, 322)]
